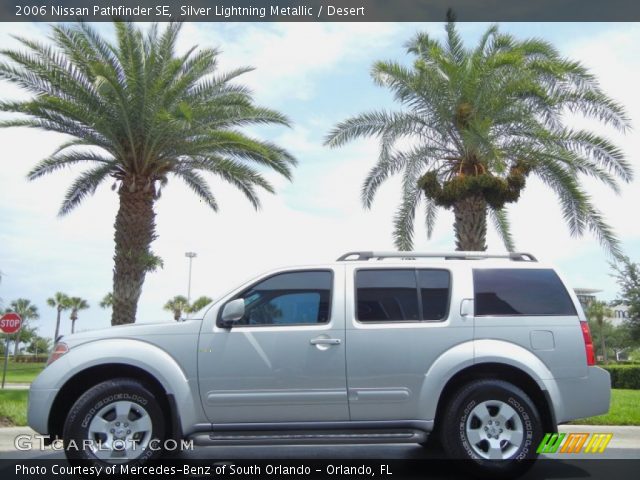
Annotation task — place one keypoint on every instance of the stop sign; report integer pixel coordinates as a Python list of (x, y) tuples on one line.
[(10, 322)]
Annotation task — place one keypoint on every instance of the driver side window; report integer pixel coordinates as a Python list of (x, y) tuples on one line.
[(291, 298)]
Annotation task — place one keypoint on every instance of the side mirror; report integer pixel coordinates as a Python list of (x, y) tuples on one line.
[(233, 311)]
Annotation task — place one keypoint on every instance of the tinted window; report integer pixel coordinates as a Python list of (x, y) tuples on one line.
[(434, 293), (289, 299), (386, 295), (505, 291)]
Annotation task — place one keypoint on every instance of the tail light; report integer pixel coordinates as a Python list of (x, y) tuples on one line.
[(59, 350), (588, 344)]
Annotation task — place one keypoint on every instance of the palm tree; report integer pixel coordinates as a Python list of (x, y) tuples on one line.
[(76, 304), (597, 311), (138, 113), (39, 345), (28, 312), (177, 305), (199, 304), (60, 301), (107, 301), (480, 122)]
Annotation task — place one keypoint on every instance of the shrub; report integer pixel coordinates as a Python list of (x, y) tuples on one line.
[(624, 376)]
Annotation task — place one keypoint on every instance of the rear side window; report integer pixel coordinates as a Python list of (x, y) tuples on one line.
[(402, 295), (507, 291), (434, 293)]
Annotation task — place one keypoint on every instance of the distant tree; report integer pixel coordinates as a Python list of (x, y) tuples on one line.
[(39, 345), (627, 275), (597, 311), (60, 301), (76, 304), (179, 305), (199, 304), (618, 339), (28, 312), (107, 301), (27, 334)]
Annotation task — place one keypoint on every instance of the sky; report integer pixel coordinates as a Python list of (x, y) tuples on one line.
[(317, 74)]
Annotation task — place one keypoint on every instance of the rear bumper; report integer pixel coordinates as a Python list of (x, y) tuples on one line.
[(583, 397), (40, 402)]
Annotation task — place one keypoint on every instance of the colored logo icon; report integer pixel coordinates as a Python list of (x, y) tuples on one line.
[(574, 442)]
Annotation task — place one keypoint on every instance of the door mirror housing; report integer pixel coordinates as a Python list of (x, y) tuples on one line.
[(233, 311)]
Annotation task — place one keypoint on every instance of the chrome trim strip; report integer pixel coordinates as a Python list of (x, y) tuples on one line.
[(424, 425)]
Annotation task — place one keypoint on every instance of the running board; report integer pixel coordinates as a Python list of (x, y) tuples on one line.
[(308, 438)]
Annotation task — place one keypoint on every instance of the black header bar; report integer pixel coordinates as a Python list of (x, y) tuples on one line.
[(320, 10)]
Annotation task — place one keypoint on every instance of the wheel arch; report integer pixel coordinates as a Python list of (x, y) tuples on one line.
[(93, 362), (499, 371), (76, 385)]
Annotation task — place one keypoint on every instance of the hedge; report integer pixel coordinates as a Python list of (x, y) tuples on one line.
[(29, 358), (624, 376)]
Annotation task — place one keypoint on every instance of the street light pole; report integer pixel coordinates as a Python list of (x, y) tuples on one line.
[(190, 256)]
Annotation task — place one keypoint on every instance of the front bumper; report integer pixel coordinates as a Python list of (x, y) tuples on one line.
[(585, 396)]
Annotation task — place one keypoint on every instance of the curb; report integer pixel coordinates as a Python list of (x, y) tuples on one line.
[(624, 437)]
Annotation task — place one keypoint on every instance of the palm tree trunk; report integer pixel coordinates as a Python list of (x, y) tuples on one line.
[(15, 345), (57, 325), (73, 325), (135, 230), (470, 224), (602, 342)]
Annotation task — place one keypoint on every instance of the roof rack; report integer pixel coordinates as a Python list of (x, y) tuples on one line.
[(515, 256)]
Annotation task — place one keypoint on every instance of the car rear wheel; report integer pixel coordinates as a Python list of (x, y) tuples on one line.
[(494, 425), (116, 421)]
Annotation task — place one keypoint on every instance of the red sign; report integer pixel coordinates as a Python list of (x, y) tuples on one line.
[(10, 322)]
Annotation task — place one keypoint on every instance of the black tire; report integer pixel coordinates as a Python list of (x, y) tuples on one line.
[(98, 399), (461, 410)]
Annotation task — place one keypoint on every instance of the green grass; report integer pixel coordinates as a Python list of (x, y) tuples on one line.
[(13, 407), (22, 372), (624, 410)]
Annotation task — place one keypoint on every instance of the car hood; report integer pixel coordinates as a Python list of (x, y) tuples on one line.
[(133, 330)]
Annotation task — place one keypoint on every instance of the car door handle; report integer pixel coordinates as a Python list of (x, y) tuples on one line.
[(325, 341)]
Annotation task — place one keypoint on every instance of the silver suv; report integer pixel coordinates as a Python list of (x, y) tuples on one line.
[(485, 353)]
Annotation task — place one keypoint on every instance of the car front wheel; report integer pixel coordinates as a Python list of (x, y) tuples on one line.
[(116, 421)]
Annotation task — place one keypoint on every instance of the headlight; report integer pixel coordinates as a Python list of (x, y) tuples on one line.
[(59, 350)]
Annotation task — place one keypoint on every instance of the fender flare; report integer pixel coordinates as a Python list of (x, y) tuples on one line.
[(140, 354), (476, 352)]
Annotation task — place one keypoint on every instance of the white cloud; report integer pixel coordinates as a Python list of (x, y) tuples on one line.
[(288, 56)]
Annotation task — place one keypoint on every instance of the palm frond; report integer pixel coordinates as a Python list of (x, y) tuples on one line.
[(84, 186), (199, 186), (403, 221), (502, 226), (67, 159)]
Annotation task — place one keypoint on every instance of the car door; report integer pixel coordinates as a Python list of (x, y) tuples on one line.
[(284, 361), (400, 320)]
